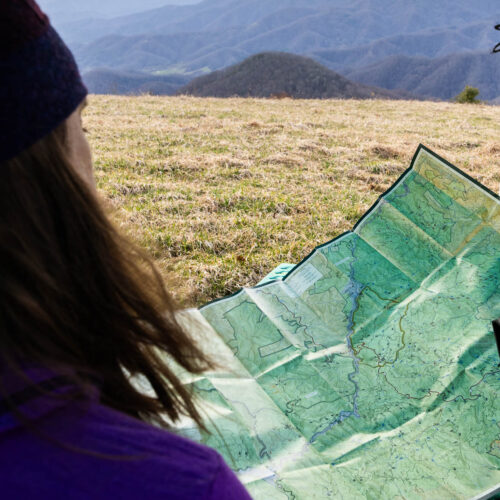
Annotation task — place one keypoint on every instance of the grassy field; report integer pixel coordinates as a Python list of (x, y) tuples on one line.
[(223, 190)]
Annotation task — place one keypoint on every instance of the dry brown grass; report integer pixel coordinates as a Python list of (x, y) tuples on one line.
[(223, 190)]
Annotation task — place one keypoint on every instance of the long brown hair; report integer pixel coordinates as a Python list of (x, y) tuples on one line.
[(77, 296)]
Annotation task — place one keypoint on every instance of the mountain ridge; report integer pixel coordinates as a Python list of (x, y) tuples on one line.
[(271, 74), (442, 77), (106, 81), (198, 50), (344, 35), (371, 20)]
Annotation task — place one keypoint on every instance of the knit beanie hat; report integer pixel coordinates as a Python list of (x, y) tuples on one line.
[(40, 85)]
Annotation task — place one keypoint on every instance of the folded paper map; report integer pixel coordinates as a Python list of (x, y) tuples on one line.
[(370, 370)]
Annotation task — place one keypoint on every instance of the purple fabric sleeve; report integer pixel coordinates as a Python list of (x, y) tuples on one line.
[(143, 461), (226, 485)]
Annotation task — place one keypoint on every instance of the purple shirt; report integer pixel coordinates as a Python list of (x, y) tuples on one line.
[(160, 464)]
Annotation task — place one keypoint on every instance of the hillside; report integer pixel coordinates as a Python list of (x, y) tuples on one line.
[(337, 35), (343, 35), (146, 52), (272, 73), (223, 190), (228, 31), (443, 77), (431, 43), (198, 52), (104, 81), (343, 22)]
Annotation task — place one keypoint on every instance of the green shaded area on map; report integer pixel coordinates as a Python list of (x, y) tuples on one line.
[(370, 370)]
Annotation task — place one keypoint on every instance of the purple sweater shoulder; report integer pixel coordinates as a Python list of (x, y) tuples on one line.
[(143, 461)]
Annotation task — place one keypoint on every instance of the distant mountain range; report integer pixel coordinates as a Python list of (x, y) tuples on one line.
[(432, 43), (443, 77), (106, 81), (216, 33), (281, 74), (63, 11), (316, 24), (200, 52), (344, 35)]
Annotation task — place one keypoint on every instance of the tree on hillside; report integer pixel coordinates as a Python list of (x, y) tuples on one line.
[(468, 95)]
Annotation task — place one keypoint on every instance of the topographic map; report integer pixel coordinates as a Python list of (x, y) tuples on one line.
[(370, 370)]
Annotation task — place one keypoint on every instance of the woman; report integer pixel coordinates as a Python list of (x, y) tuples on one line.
[(80, 308)]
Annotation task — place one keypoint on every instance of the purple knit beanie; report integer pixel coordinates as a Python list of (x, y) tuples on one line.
[(40, 85)]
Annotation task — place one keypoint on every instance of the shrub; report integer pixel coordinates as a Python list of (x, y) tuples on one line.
[(468, 95)]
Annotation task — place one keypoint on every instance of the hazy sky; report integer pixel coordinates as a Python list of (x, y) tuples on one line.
[(67, 10)]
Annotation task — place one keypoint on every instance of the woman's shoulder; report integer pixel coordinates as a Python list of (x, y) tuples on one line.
[(118, 456), (168, 464), (125, 434)]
